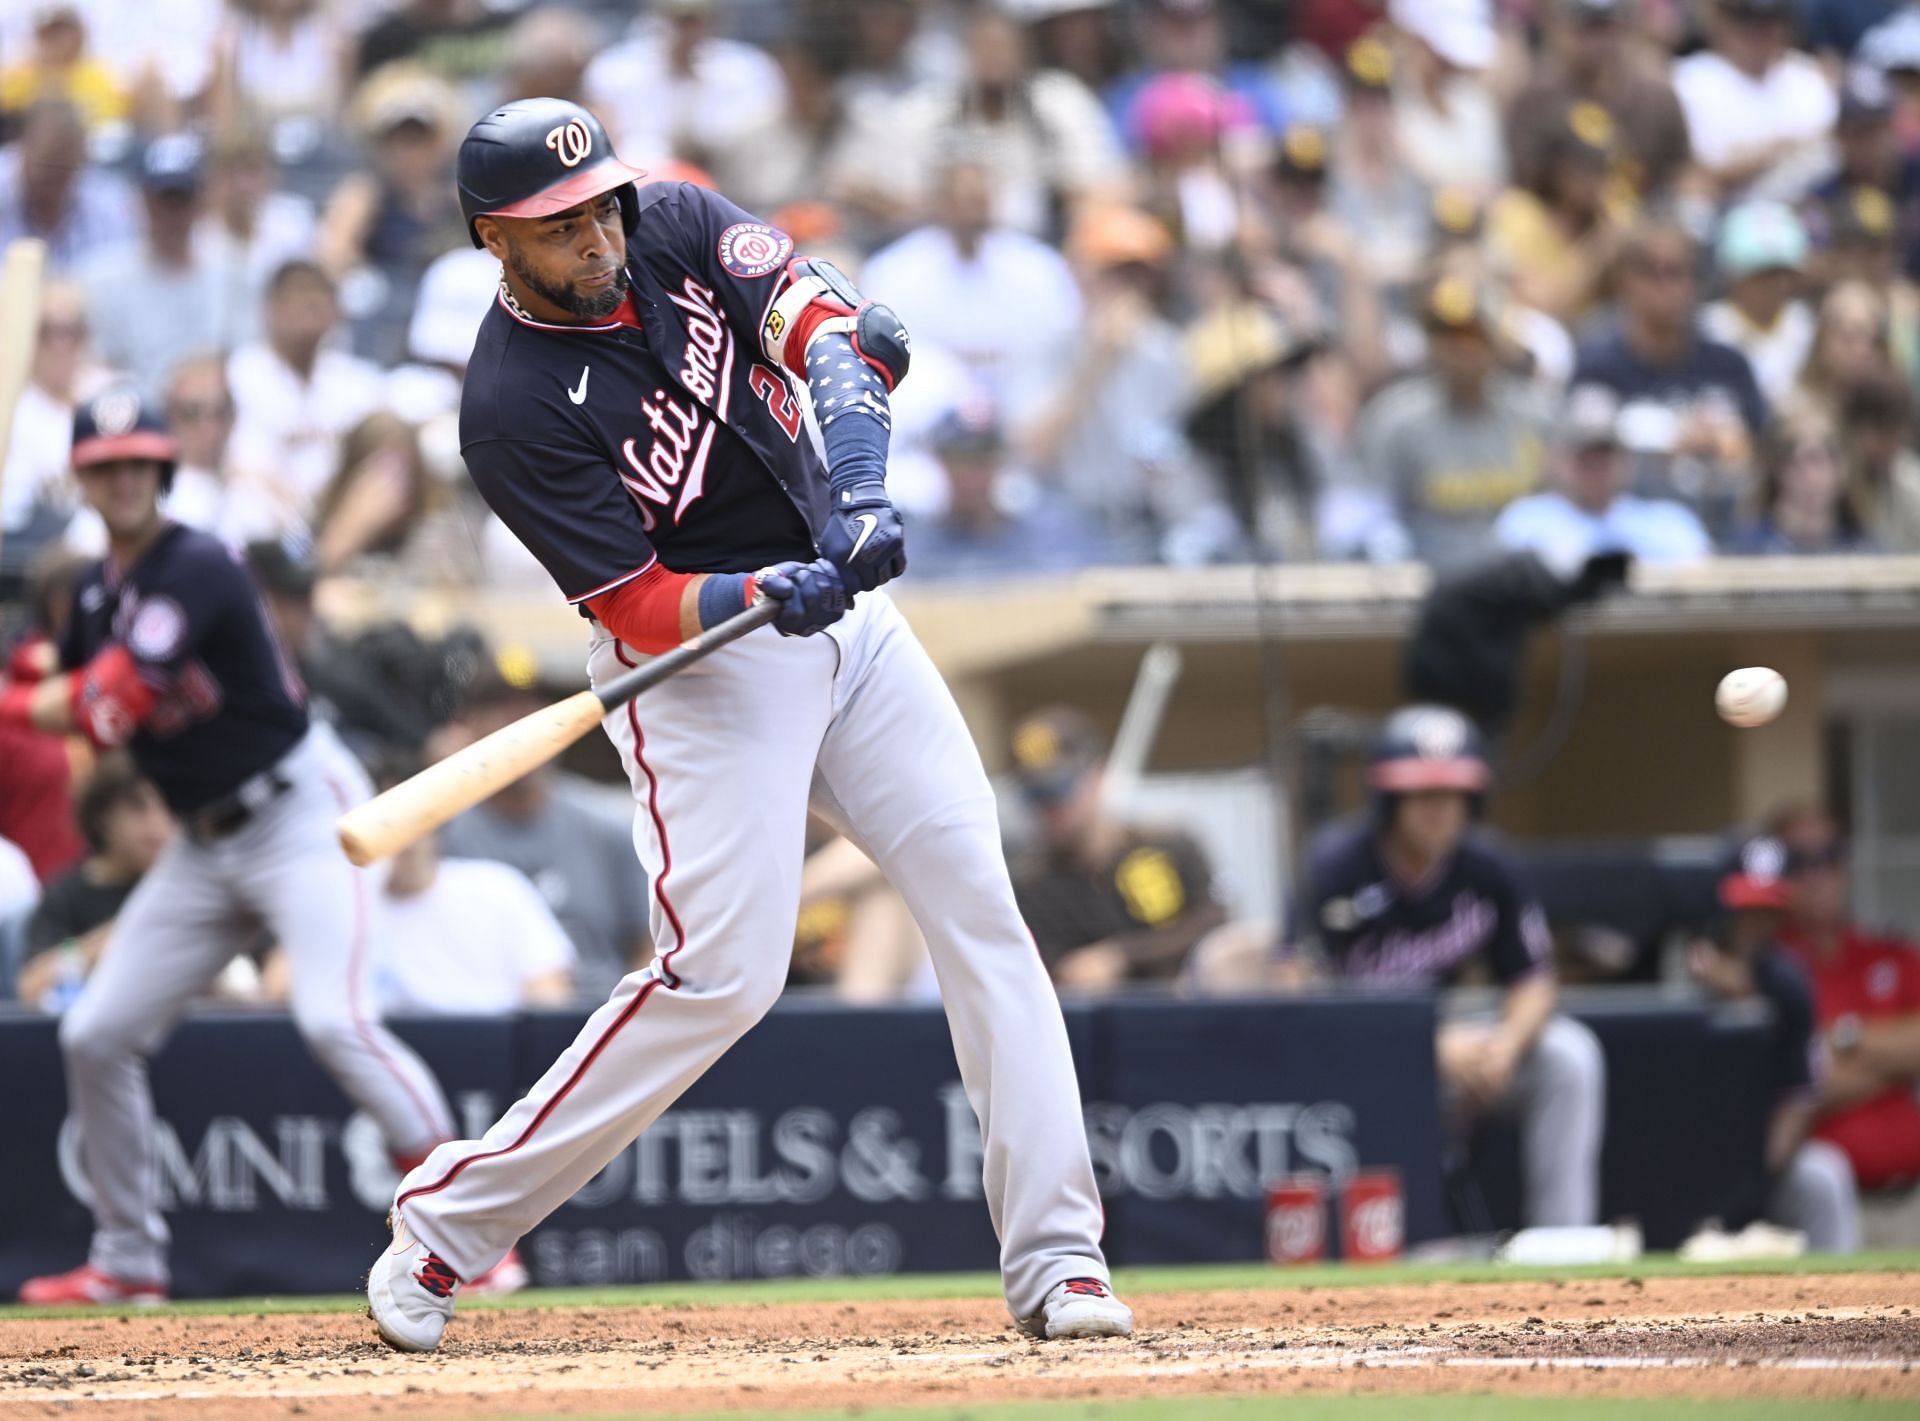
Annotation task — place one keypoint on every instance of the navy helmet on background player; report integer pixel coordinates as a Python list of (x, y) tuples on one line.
[(1426, 748), (118, 424), (536, 157)]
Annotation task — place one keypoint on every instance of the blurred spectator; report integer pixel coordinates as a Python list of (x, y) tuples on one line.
[(462, 937), (460, 40), (248, 228), (156, 298), (1866, 997), (157, 54), (818, 155), (676, 89), (455, 294), (1692, 407), (1762, 254), (1558, 237), (995, 526), (1849, 346), (296, 393), (49, 190), (1591, 510), (1834, 28), (1111, 438), (1188, 37), (1758, 111), (1592, 57), (1078, 37), (1448, 118), (1108, 902), (1454, 444), (1004, 303), (1862, 246), (1043, 135), (383, 226), (547, 53), (1371, 190), (58, 66), (1870, 154), (1189, 128), (125, 825), (36, 496), (1801, 495), (205, 492), (384, 504), (892, 50), (1413, 895), (1812, 1186), (36, 792), (1883, 471), (578, 855), (1245, 369), (286, 62)]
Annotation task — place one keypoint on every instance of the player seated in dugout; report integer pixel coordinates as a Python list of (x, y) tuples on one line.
[(1866, 998), (1108, 902), (1413, 894), (1810, 1183)]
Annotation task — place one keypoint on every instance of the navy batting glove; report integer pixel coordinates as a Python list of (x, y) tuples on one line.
[(810, 594), (864, 537)]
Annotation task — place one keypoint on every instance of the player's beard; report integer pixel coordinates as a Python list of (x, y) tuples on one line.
[(593, 306)]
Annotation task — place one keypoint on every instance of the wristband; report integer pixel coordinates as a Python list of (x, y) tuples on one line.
[(723, 595)]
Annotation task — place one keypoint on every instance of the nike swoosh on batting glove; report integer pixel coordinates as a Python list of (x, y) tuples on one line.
[(864, 537)]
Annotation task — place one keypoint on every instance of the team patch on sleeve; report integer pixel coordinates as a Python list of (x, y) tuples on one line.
[(750, 249), (158, 629)]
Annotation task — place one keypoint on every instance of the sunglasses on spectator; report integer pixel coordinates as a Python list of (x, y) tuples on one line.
[(189, 411)]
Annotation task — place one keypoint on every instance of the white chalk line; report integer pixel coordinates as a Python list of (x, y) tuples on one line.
[(1403, 1359)]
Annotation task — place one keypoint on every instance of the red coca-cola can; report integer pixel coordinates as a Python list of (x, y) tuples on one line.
[(1297, 1220), (1373, 1217)]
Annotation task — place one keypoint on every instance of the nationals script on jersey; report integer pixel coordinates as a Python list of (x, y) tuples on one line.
[(602, 446)]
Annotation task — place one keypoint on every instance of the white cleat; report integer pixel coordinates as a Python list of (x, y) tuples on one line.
[(1080, 1307), (410, 1292)]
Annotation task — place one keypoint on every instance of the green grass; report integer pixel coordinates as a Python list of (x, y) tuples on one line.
[(1128, 1281), (1345, 1408)]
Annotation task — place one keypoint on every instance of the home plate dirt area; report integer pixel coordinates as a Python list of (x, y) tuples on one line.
[(1852, 1335)]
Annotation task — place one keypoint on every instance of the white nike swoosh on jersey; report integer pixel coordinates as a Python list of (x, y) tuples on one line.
[(579, 393), (867, 523)]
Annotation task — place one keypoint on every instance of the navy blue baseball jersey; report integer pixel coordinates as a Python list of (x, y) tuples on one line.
[(1373, 928), (229, 704), (606, 446)]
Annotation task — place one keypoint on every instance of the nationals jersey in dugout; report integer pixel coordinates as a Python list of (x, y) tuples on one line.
[(663, 436), (229, 703), (1374, 928), (1874, 979)]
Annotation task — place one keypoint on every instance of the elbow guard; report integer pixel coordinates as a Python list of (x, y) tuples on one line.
[(820, 300)]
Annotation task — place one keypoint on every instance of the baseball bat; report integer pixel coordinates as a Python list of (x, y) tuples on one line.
[(26, 261), (391, 820)]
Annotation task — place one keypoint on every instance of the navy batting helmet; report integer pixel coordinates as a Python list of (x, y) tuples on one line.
[(1427, 747), (118, 424), (536, 157)]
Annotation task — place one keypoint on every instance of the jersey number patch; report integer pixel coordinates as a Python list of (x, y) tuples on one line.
[(779, 397)]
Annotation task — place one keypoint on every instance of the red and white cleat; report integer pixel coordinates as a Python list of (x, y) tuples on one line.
[(1080, 1307), (509, 1275), (88, 1286)]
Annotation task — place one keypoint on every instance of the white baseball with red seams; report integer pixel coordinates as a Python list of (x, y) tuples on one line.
[(724, 760)]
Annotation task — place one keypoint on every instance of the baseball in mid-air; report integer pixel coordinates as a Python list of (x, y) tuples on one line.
[(1751, 696)]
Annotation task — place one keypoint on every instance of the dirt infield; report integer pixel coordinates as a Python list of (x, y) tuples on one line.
[(1847, 1335)]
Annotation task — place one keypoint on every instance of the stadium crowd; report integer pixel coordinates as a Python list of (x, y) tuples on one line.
[(1189, 282)]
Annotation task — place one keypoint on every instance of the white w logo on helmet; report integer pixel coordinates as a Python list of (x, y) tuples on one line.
[(571, 141)]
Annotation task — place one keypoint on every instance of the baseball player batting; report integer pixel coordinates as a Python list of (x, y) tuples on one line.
[(168, 651), (634, 412)]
